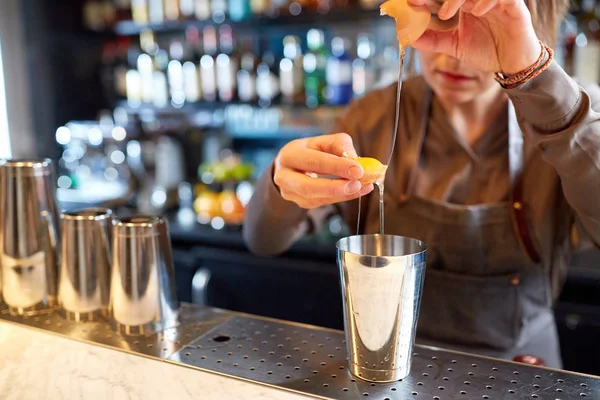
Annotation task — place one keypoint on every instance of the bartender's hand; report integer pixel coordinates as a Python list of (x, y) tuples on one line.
[(491, 35), (319, 155)]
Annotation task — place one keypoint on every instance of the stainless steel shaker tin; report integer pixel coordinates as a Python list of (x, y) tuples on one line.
[(28, 235), (382, 280), (143, 296), (84, 285)]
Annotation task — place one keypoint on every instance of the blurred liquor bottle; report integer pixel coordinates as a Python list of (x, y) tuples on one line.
[(175, 73), (208, 64), (314, 63), (191, 66), (156, 11), (246, 76), (172, 10), (186, 9), (121, 67), (227, 65), (219, 10), (267, 80), (364, 67), (259, 7), (140, 11), (291, 74), (339, 73), (202, 9), (160, 83), (239, 9)]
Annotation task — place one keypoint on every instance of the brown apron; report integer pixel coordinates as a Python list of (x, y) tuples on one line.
[(485, 289)]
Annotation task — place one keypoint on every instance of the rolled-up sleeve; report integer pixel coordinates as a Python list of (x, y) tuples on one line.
[(561, 118), (272, 224)]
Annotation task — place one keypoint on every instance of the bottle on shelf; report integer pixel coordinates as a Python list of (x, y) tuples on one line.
[(277, 8), (190, 68), (239, 9), (364, 68), (208, 64), (145, 65), (175, 74), (389, 60), (587, 50), (140, 12), (259, 7), (121, 67), (267, 81), (291, 74), (156, 11), (202, 9), (132, 79), (219, 10), (314, 63), (160, 87), (172, 11), (227, 65), (186, 9), (246, 76), (339, 73)]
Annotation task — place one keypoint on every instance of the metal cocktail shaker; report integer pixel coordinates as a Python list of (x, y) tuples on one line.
[(143, 297), (382, 280), (28, 235), (83, 290)]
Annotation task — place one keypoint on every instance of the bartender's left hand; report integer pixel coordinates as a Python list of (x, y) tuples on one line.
[(492, 35)]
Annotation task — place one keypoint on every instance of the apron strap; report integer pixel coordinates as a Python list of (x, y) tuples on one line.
[(516, 156)]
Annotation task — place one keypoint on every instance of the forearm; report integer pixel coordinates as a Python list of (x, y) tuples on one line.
[(559, 117), (272, 224)]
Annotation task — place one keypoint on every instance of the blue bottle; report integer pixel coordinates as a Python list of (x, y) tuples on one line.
[(339, 73), (239, 9)]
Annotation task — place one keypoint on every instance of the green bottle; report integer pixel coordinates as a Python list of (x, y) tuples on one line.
[(315, 63)]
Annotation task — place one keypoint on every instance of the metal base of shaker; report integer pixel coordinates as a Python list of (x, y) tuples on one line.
[(144, 329), (89, 316), (41, 308), (378, 375)]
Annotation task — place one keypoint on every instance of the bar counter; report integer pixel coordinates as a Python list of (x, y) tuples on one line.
[(249, 357)]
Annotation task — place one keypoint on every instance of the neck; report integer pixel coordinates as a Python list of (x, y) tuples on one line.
[(471, 119)]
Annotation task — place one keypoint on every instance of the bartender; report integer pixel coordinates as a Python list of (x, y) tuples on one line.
[(497, 158)]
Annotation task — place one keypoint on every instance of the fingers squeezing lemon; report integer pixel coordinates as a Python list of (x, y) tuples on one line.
[(411, 22)]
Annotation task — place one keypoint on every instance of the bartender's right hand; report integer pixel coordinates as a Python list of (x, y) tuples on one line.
[(323, 155)]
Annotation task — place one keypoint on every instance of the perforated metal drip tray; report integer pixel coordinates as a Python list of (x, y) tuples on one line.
[(194, 321), (312, 360)]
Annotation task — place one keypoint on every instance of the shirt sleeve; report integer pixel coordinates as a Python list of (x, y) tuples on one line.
[(272, 224), (561, 118)]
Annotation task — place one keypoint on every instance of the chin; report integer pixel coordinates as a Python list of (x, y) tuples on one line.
[(455, 95)]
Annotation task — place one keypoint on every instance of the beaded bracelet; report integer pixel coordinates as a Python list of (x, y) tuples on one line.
[(513, 81)]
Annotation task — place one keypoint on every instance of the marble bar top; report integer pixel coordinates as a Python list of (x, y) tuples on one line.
[(36, 365)]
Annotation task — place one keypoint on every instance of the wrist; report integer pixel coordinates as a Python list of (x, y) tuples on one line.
[(537, 68), (527, 56)]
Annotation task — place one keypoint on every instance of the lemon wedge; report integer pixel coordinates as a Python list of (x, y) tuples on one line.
[(411, 22)]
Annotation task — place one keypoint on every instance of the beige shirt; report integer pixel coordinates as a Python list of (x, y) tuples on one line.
[(561, 124)]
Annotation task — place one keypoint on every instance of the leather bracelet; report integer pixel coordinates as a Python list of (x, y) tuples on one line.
[(513, 81)]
